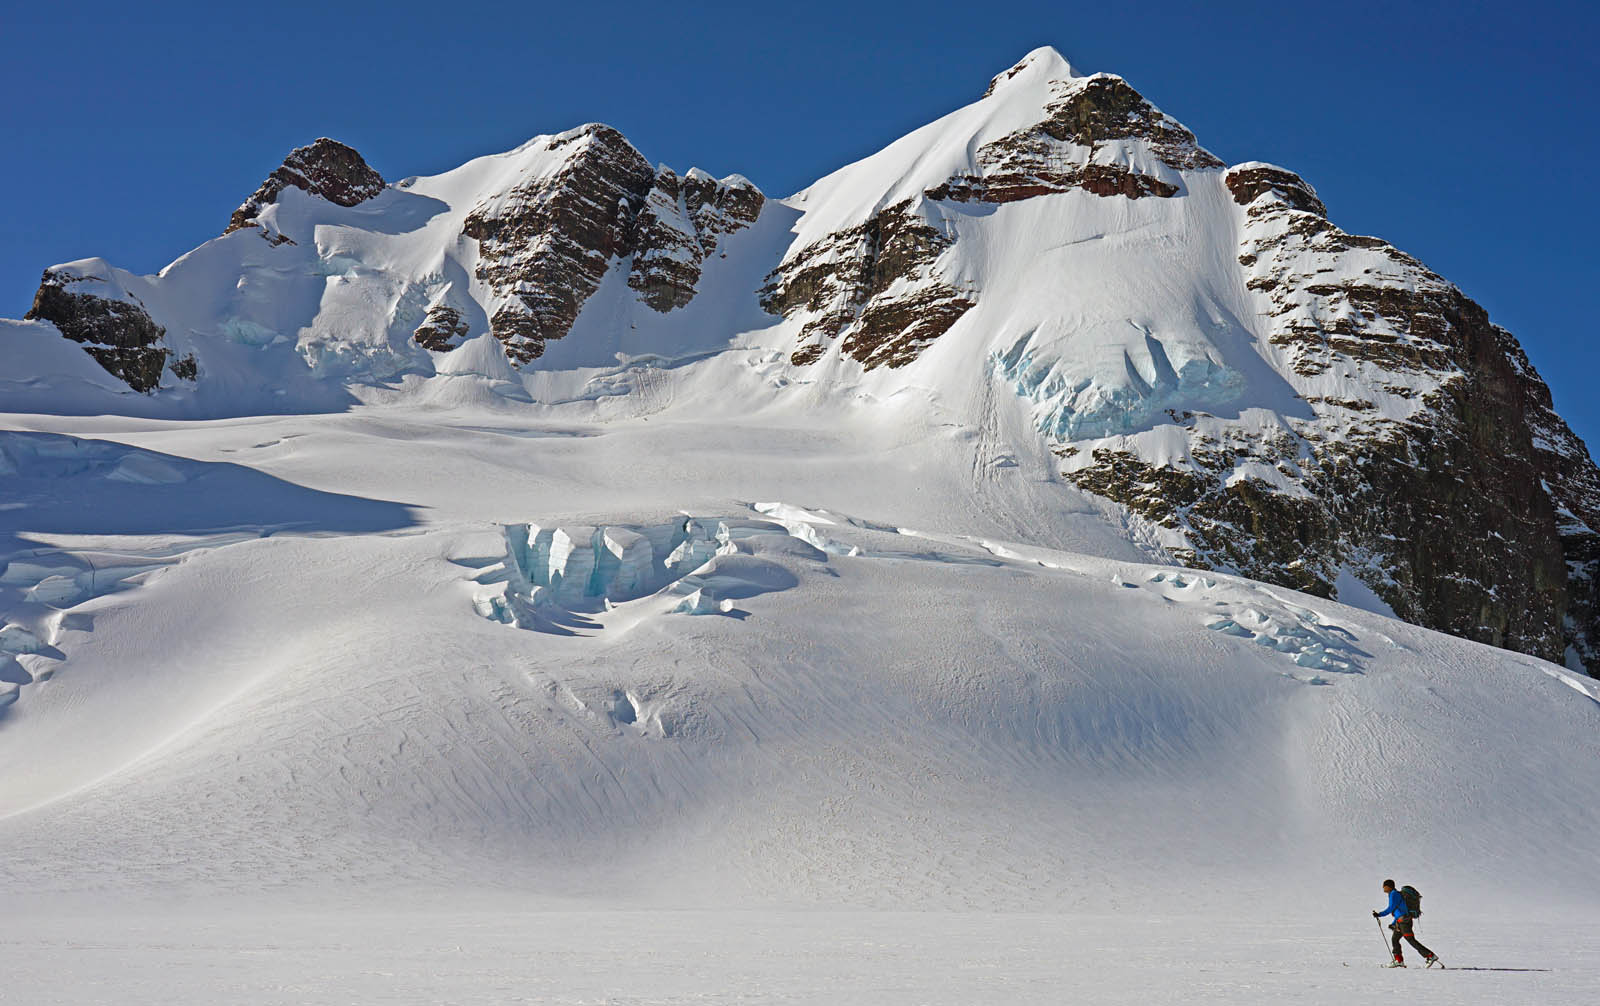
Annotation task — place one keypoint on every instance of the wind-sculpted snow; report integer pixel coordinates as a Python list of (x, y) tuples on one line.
[(44, 592), (81, 519), (56, 484), (1260, 615), (1236, 608)]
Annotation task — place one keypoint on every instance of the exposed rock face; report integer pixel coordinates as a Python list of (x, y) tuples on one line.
[(1432, 476), (1057, 154), (441, 330), (1023, 176), (1427, 463), (875, 284), (679, 227), (1449, 485), (186, 368), (119, 334), (1104, 108), (547, 243), (1247, 181), (325, 168), (1572, 481)]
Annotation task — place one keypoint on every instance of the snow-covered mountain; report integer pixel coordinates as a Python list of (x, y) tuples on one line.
[(1259, 391), (1037, 515)]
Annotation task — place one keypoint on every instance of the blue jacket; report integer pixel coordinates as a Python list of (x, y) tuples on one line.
[(1397, 905)]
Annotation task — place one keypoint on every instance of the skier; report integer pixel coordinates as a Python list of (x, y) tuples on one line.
[(1403, 925)]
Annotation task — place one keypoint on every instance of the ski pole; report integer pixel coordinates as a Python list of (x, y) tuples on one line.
[(1381, 940)]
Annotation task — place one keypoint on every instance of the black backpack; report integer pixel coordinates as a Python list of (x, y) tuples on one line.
[(1413, 901)]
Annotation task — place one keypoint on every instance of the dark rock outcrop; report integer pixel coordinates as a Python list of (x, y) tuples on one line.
[(679, 227), (1443, 498), (120, 334), (875, 284), (325, 168), (1569, 476), (1056, 154), (186, 368), (547, 243), (1106, 108), (441, 330), (1247, 181), (1014, 181)]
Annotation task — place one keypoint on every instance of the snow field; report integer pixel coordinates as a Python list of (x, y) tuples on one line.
[(922, 709), (504, 954), (372, 725)]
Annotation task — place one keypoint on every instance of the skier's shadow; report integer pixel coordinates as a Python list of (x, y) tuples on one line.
[(1499, 969)]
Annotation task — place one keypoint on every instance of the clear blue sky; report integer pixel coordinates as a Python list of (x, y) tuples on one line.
[(1464, 132)]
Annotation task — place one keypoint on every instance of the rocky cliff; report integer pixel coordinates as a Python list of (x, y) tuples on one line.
[(879, 284), (324, 168), (679, 227), (1440, 477), (1058, 153), (113, 327), (545, 245), (876, 284)]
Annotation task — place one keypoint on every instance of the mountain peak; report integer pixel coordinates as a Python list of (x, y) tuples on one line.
[(335, 171), (1262, 392), (1042, 65)]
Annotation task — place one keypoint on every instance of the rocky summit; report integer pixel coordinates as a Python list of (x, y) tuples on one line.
[(1199, 348), (324, 168)]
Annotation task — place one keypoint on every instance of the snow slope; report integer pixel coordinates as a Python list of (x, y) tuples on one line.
[(302, 705), (1103, 312), (317, 674)]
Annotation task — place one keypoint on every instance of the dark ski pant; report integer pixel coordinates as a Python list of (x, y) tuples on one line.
[(1403, 927)]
